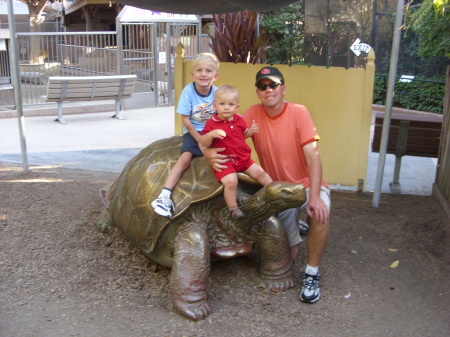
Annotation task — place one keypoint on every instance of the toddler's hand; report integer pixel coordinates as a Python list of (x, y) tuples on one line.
[(217, 133), (254, 128)]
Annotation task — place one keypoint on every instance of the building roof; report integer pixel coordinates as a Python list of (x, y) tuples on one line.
[(206, 6)]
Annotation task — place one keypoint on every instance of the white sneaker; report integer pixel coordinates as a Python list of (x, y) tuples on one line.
[(163, 206), (304, 227), (311, 288)]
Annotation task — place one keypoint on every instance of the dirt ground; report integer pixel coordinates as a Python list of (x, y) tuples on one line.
[(61, 277)]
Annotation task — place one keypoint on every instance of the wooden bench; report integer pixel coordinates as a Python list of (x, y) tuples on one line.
[(411, 135), (61, 89)]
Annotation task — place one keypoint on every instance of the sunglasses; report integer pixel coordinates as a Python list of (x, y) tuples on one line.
[(271, 85)]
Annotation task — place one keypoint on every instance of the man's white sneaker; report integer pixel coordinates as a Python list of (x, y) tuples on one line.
[(311, 288)]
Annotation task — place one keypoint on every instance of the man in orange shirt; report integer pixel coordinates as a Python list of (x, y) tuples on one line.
[(287, 149)]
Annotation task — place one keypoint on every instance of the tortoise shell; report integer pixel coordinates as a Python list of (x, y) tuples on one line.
[(142, 180)]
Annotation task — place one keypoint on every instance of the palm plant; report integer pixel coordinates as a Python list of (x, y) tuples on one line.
[(236, 38)]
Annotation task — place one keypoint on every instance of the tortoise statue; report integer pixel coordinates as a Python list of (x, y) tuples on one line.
[(201, 228)]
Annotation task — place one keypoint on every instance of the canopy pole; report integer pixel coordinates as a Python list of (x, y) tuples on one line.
[(15, 72), (389, 103)]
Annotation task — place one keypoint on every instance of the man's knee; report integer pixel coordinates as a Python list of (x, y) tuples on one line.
[(316, 227)]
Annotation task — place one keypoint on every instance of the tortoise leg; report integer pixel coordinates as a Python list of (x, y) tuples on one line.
[(190, 271), (276, 260)]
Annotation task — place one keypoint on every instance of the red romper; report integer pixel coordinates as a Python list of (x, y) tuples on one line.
[(234, 143)]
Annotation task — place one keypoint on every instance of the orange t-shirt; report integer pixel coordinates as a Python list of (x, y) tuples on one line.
[(280, 140)]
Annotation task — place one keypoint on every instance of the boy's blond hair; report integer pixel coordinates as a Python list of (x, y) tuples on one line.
[(206, 58), (226, 90)]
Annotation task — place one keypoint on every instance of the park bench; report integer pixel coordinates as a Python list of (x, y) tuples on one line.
[(411, 135), (6, 87), (6, 94), (61, 89)]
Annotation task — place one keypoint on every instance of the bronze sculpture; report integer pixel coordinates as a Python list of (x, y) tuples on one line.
[(201, 228)]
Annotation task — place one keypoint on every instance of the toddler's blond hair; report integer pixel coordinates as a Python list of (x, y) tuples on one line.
[(226, 90)]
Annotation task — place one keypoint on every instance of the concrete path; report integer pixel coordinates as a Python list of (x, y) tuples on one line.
[(94, 141), (91, 141)]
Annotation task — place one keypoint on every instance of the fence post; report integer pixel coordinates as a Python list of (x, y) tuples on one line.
[(179, 76), (119, 42), (367, 115)]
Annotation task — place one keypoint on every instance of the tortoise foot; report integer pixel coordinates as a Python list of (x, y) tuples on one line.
[(278, 284), (196, 311)]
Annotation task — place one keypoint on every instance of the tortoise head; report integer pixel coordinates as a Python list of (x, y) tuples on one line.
[(275, 197)]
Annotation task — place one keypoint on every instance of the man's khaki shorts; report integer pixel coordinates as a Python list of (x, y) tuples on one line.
[(290, 217)]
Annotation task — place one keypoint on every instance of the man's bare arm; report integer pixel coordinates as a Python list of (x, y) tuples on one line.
[(316, 207)]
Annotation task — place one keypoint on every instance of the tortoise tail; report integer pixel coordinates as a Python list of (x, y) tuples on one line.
[(106, 193), (105, 222)]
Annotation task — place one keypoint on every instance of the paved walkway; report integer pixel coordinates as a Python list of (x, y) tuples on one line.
[(91, 141), (94, 141)]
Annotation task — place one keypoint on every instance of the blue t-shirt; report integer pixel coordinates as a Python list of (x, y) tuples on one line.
[(198, 107)]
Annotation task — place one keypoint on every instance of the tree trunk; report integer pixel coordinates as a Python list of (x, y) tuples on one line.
[(89, 14), (35, 42), (35, 19), (442, 181)]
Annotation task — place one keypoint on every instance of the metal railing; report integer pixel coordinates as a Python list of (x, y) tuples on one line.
[(6, 92), (96, 53), (99, 53), (62, 54)]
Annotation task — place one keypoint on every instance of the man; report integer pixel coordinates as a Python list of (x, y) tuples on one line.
[(287, 149)]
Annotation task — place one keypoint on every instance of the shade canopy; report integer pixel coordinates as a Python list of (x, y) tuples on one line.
[(206, 6), (135, 14)]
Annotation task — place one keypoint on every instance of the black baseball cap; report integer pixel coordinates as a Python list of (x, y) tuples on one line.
[(271, 73)]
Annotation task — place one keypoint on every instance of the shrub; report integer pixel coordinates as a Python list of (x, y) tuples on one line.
[(419, 94), (236, 38)]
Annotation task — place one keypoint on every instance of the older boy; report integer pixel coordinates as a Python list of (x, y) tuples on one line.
[(196, 107)]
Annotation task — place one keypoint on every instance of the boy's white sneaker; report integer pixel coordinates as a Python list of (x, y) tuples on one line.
[(163, 206)]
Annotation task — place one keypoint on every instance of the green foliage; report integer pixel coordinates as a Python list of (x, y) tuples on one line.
[(439, 6), (419, 94), (433, 29), (284, 29), (235, 38), (408, 60)]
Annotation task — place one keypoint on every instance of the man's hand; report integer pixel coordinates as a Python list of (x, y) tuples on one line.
[(215, 159), (317, 210)]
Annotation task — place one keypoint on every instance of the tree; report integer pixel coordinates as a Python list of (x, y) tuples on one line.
[(35, 8), (432, 24), (310, 31), (440, 5), (285, 32)]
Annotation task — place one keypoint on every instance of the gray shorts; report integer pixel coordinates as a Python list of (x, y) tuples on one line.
[(289, 218)]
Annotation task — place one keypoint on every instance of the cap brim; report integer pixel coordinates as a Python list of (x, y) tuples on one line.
[(272, 78)]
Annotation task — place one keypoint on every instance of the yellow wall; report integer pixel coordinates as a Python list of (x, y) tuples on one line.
[(339, 99)]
